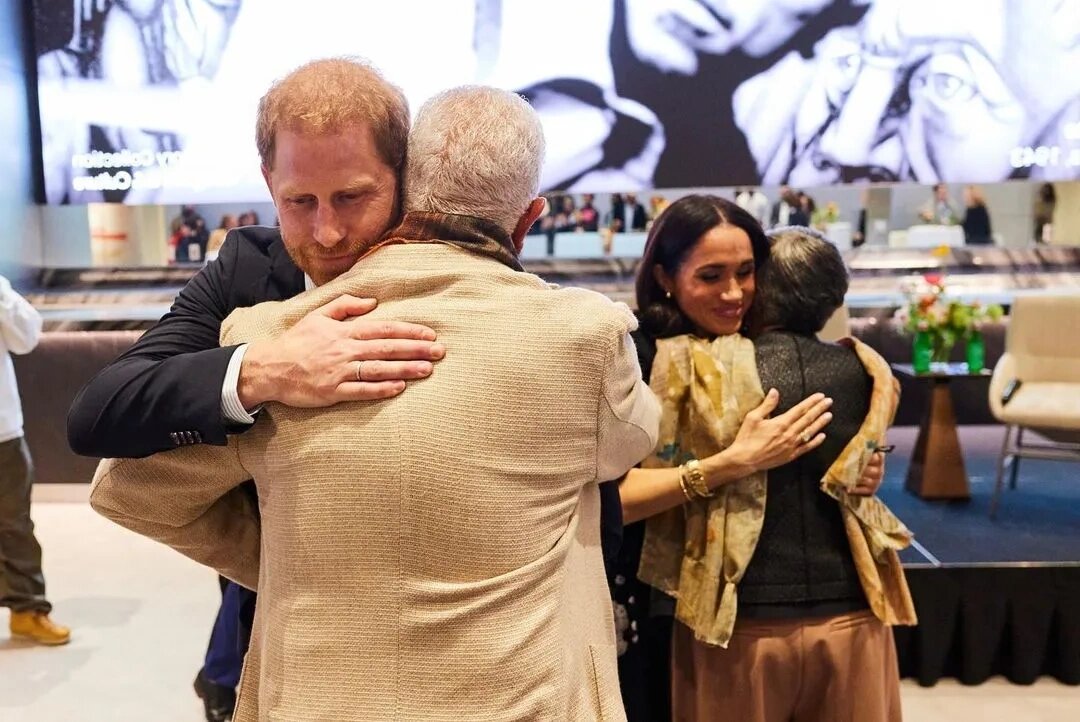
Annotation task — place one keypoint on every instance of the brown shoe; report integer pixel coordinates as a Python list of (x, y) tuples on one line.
[(38, 627)]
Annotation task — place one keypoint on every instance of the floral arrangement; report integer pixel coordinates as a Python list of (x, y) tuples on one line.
[(931, 315), (829, 213)]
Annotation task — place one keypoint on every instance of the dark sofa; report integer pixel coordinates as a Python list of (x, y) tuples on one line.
[(51, 375)]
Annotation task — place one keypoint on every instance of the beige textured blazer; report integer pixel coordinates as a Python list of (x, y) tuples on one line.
[(430, 557)]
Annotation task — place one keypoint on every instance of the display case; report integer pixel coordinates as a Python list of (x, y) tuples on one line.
[(75, 298), (989, 274)]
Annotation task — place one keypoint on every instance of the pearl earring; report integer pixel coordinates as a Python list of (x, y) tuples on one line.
[(667, 295)]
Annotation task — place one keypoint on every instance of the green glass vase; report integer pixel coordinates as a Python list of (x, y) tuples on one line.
[(976, 352), (941, 346), (922, 351)]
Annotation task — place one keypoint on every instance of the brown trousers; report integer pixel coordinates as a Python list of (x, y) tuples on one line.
[(828, 669), (22, 585)]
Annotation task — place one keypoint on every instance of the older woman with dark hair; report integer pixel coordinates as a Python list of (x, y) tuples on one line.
[(801, 286), (695, 288)]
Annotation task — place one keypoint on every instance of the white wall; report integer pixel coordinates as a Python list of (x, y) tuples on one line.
[(65, 233), (1067, 214), (20, 234), (150, 232), (67, 243), (212, 212)]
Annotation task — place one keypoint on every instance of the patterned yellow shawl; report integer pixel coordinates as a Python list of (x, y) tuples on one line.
[(698, 552)]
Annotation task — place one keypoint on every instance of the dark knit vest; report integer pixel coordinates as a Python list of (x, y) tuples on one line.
[(803, 563)]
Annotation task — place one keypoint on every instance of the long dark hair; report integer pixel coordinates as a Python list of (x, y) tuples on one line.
[(674, 234)]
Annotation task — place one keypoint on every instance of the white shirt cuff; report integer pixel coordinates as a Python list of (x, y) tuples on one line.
[(231, 408)]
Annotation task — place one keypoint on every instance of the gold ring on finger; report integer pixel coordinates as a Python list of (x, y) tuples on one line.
[(806, 437)]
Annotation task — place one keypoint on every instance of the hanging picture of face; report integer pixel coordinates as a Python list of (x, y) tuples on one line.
[(153, 101)]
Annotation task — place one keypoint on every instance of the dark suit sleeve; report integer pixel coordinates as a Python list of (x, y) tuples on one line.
[(168, 382), (611, 524)]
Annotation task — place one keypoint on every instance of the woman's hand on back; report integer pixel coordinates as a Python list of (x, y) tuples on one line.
[(763, 443), (872, 476)]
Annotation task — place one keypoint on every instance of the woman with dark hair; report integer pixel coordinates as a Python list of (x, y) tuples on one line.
[(1045, 203), (248, 218), (976, 223), (697, 277), (821, 583), (704, 263), (797, 202), (808, 205)]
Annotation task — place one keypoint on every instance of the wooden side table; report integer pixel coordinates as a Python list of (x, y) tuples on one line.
[(937, 464)]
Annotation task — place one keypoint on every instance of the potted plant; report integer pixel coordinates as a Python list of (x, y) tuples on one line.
[(937, 322), (823, 216)]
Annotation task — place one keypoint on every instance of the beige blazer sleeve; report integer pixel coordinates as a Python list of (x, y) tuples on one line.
[(629, 415), (188, 499)]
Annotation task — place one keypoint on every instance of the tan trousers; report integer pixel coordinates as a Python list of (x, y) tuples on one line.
[(829, 669)]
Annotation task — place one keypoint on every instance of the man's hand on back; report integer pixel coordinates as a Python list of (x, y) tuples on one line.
[(314, 364)]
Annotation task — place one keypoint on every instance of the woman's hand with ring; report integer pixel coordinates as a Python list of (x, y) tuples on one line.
[(764, 443)]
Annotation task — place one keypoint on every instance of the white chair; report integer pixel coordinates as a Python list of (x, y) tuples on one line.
[(1042, 352)]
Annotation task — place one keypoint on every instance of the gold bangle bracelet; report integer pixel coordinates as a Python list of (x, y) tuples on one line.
[(687, 492), (695, 478)]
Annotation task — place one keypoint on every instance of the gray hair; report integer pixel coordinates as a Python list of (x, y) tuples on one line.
[(475, 151), (803, 282)]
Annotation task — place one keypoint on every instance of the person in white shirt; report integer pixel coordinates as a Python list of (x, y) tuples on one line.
[(22, 585), (754, 202)]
